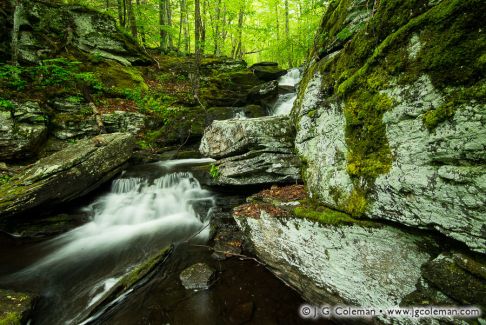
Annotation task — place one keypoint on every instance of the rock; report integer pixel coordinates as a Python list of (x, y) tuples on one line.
[(334, 261), (227, 243), (264, 94), (15, 307), (67, 174), (126, 122), (43, 32), (231, 137), (447, 274), (386, 139), (252, 111), (199, 276), (22, 131), (286, 89), (267, 71), (66, 126), (253, 151)]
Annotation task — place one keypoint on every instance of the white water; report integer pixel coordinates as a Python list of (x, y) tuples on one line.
[(134, 210), (285, 102)]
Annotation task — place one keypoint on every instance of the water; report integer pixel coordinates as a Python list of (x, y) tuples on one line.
[(147, 208), (285, 102), (138, 216)]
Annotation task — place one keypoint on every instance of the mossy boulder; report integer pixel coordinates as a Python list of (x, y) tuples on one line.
[(51, 29), (390, 114), (66, 174)]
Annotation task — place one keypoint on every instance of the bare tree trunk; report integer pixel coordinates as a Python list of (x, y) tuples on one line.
[(217, 51), (169, 24), (132, 20), (278, 21), (224, 31), (187, 35), (287, 33), (121, 19), (238, 50), (16, 31), (142, 29), (198, 48), (163, 25)]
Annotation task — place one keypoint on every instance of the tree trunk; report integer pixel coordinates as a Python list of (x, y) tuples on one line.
[(169, 25), (163, 25), (132, 20), (238, 50), (198, 49), (16, 31), (121, 14), (278, 21), (287, 33), (216, 28), (142, 29)]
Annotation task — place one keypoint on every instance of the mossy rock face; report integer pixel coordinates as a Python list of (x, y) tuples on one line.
[(50, 28), (15, 307), (451, 273), (267, 71), (390, 113), (118, 78)]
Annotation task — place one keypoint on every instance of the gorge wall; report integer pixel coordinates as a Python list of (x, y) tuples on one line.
[(391, 114)]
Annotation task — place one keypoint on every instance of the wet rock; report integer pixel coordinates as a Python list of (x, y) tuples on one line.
[(267, 71), (15, 307), (264, 94), (286, 89), (47, 27), (227, 243), (22, 131), (67, 174), (199, 276), (253, 151), (242, 313)]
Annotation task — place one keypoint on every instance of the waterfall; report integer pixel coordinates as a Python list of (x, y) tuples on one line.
[(135, 210), (285, 102)]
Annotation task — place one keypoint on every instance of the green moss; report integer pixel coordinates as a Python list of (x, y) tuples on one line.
[(117, 78), (10, 318), (214, 171), (434, 117), (143, 269), (324, 215)]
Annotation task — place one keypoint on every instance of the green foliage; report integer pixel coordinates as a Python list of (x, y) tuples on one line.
[(214, 171), (5, 179), (6, 104), (59, 72), (10, 318), (148, 102)]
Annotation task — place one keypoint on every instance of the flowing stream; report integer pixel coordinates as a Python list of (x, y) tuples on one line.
[(147, 208), (285, 101)]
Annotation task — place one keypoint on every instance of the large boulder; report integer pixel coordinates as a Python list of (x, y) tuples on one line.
[(333, 259), (392, 123), (49, 28), (22, 131), (252, 151), (67, 174), (329, 257)]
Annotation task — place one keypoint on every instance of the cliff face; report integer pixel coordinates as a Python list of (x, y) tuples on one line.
[(47, 30), (391, 114)]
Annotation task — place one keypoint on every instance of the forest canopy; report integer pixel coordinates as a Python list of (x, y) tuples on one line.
[(253, 30)]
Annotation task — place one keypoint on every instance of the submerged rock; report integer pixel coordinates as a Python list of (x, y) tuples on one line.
[(15, 307), (199, 276), (67, 174), (252, 151)]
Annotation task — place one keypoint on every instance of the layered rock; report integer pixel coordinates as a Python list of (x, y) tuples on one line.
[(23, 129), (267, 71), (252, 151), (391, 124), (333, 259), (47, 28), (67, 174)]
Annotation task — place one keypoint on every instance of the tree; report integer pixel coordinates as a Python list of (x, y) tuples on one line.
[(132, 19)]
